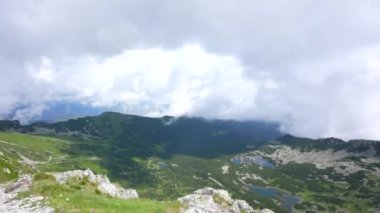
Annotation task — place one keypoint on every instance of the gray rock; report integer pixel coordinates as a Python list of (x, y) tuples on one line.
[(243, 206), (6, 170), (104, 185), (20, 185), (10, 203), (266, 211), (209, 200)]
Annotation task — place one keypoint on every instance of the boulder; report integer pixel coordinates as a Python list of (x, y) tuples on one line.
[(6, 170), (266, 211), (209, 200)]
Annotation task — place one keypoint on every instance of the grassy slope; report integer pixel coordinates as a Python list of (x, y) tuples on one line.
[(82, 196), (75, 196), (183, 174), (32, 147), (143, 174)]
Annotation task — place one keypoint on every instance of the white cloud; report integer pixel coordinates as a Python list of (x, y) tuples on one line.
[(154, 82), (333, 96), (44, 73), (312, 65), (28, 113)]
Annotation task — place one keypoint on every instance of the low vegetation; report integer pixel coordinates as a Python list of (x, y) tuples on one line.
[(83, 196), (164, 163)]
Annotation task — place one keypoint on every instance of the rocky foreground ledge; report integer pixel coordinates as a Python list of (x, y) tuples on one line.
[(102, 181), (38, 204), (206, 200), (9, 203), (209, 200)]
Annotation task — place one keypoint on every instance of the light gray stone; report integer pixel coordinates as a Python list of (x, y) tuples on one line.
[(104, 184), (209, 200), (32, 204), (6, 170), (266, 211)]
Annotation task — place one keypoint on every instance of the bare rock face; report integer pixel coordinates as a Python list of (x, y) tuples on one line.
[(209, 200), (104, 185)]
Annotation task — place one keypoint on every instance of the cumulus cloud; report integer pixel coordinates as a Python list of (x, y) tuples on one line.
[(312, 66), (153, 82)]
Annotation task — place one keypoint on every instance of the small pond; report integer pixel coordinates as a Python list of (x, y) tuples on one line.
[(162, 165), (258, 160), (288, 200), (264, 191), (263, 162)]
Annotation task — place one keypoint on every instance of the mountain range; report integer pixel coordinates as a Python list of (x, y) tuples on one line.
[(169, 157)]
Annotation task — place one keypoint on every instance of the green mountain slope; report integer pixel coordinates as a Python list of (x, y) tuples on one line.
[(165, 158), (166, 135), (26, 154)]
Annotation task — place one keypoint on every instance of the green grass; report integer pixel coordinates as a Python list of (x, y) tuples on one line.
[(184, 173), (34, 143), (83, 196), (72, 197), (7, 165), (13, 144), (53, 153)]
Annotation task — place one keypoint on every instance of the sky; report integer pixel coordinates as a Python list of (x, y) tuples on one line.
[(312, 66)]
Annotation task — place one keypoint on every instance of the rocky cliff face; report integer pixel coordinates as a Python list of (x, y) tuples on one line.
[(209, 200)]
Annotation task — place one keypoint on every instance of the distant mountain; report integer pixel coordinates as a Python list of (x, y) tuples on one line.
[(335, 144), (166, 158), (11, 124), (54, 112), (165, 135)]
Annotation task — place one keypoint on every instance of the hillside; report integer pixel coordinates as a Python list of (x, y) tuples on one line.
[(163, 136), (167, 158)]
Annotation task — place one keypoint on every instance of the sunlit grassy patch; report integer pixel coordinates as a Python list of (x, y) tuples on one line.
[(83, 196)]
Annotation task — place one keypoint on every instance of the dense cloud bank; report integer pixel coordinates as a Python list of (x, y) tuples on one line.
[(311, 66)]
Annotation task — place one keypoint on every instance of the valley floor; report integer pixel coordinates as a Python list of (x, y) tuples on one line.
[(263, 176)]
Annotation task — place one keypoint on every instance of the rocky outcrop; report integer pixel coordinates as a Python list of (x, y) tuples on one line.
[(340, 160), (266, 211), (33, 204), (104, 185), (20, 185), (209, 200), (36, 204)]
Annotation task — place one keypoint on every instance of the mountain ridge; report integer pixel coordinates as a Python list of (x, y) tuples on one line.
[(166, 119), (167, 158)]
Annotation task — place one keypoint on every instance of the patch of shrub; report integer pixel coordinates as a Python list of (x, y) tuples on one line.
[(98, 192), (43, 176), (220, 200), (77, 187)]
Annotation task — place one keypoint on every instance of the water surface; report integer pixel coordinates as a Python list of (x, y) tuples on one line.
[(288, 200), (258, 160)]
